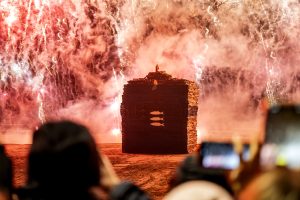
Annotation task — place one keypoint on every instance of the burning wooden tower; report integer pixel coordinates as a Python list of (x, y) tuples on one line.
[(159, 114)]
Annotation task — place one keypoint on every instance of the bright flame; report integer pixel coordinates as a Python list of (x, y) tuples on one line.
[(11, 12), (13, 17), (116, 131), (115, 106)]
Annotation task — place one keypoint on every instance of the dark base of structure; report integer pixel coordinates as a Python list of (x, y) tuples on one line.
[(155, 143), (150, 149)]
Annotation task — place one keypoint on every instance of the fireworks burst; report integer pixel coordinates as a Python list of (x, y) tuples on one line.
[(53, 52), (56, 53)]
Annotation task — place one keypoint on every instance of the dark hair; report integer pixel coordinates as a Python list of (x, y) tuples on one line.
[(63, 157), (2, 149), (6, 174)]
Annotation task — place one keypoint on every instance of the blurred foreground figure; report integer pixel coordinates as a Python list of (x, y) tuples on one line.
[(191, 169), (64, 164), (198, 190), (278, 184), (6, 176)]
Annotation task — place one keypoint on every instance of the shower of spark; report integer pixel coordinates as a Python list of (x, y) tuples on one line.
[(57, 54), (54, 52), (198, 69), (41, 113), (119, 81)]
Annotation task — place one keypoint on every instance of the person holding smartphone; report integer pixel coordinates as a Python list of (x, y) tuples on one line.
[(192, 169)]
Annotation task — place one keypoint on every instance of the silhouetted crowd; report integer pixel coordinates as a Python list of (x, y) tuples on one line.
[(64, 163)]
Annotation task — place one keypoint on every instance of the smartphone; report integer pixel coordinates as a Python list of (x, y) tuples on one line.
[(221, 155), (282, 140)]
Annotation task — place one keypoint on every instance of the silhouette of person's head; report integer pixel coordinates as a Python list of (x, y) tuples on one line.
[(6, 174), (63, 159)]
